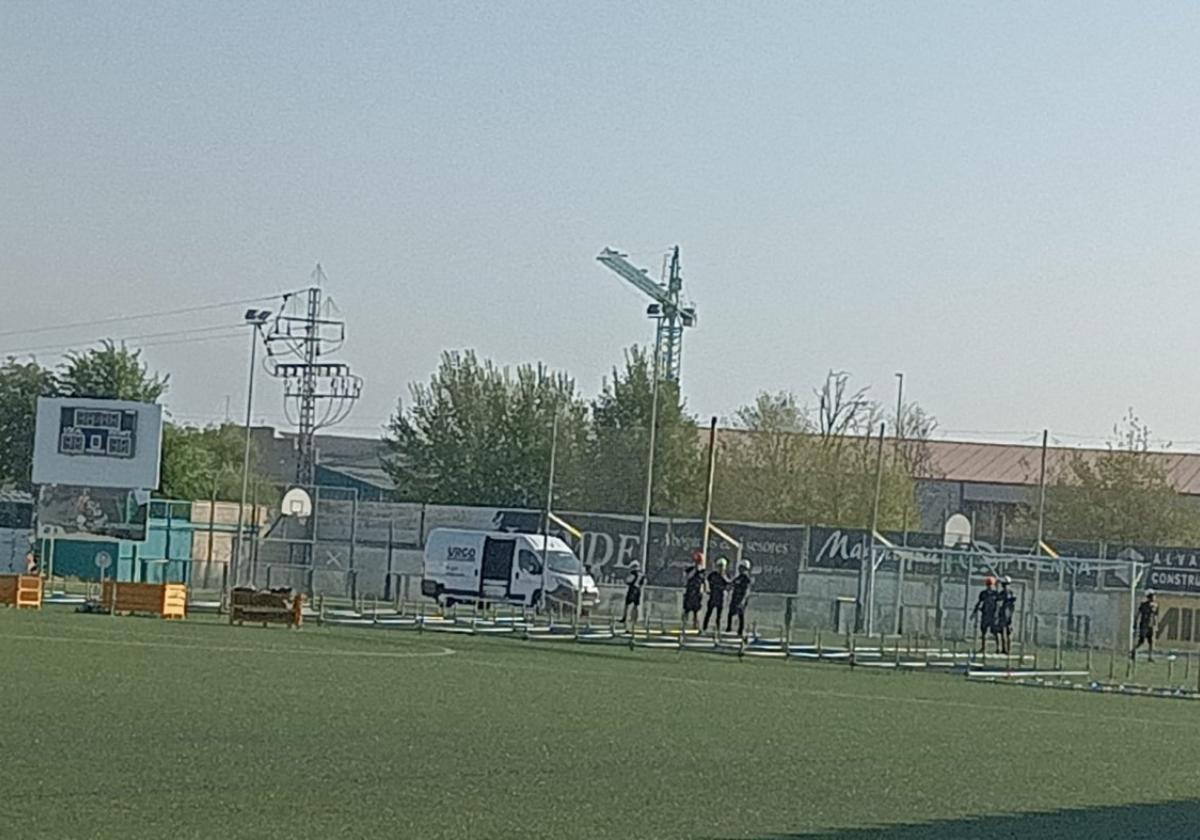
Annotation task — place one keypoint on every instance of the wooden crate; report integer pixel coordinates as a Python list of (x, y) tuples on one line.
[(22, 591), (265, 607), (168, 600)]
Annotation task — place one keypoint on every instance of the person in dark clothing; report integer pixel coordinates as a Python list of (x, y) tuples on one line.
[(738, 598), (1004, 616), (718, 582), (986, 607), (1146, 621), (693, 591), (634, 581)]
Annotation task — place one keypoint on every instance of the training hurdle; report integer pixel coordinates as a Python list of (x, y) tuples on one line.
[(168, 600), (21, 591)]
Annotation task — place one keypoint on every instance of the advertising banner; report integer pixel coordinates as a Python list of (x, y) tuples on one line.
[(92, 513)]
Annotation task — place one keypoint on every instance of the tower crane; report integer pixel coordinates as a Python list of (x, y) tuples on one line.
[(666, 308)]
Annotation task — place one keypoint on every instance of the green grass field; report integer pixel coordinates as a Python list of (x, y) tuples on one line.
[(132, 728)]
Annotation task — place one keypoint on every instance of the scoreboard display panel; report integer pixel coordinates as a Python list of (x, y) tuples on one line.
[(106, 433)]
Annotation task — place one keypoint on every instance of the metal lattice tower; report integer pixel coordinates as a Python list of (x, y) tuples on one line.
[(668, 309), (316, 393)]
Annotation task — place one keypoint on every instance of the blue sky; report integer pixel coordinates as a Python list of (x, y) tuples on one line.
[(1000, 200)]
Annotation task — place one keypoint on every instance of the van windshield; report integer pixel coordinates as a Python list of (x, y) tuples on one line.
[(563, 562)]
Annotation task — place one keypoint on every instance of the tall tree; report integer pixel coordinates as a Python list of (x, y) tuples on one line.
[(21, 383), (620, 444), (196, 461), (110, 372), (794, 464), (763, 469), (1120, 495), (481, 434)]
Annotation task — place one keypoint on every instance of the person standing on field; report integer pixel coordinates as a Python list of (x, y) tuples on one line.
[(1008, 608), (1146, 621), (986, 607), (634, 581), (718, 582), (693, 591), (738, 599)]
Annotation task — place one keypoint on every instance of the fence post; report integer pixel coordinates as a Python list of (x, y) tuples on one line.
[(787, 630), (388, 580), (1058, 643)]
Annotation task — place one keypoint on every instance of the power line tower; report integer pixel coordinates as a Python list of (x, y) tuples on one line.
[(317, 393), (668, 309)]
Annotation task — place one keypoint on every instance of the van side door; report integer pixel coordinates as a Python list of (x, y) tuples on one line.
[(527, 579), (496, 581)]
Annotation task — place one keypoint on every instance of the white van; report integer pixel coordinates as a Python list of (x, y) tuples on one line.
[(500, 567)]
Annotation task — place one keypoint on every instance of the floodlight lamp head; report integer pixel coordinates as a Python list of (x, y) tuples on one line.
[(257, 317), (653, 310)]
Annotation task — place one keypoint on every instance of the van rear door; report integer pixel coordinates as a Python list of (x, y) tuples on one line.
[(496, 580)]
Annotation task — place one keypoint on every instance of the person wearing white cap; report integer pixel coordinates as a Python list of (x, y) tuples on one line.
[(738, 599), (718, 582)]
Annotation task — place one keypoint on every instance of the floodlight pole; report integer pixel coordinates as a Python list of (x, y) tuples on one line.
[(870, 623), (549, 509), (1041, 532), (708, 487), (650, 459), (1041, 529), (234, 559)]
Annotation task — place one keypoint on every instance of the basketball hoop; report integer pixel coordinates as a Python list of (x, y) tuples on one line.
[(296, 504), (957, 532)]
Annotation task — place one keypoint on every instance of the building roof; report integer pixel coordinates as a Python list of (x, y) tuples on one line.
[(949, 460), (1020, 464), (1006, 463)]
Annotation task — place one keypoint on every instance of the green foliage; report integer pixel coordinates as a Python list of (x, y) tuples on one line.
[(480, 434), (197, 459), (1121, 495), (763, 470), (620, 443), (110, 372), (794, 464), (21, 383)]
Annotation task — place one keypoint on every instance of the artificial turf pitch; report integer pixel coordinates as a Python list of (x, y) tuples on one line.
[(137, 728)]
